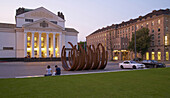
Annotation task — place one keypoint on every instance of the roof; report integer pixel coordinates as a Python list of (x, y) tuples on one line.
[(71, 30), (6, 25)]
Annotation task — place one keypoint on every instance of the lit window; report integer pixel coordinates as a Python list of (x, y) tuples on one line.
[(35, 38), (147, 24), (28, 44), (42, 39), (167, 56), (137, 27), (35, 44), (147, 55), (166, 40), (28, 38), (159, 21), (152, 23), (159, 55), (153, 55)]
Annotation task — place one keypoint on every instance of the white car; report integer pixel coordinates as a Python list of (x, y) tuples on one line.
[(131, 64)]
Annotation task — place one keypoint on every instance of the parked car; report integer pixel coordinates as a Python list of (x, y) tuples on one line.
[(131, 64), (153, 64)]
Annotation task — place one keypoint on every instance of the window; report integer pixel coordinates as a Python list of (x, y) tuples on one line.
[(167, 56), (159, 21), (35, 38), (158, 35), (28, 38), (28, 20), (153, 55), (55, 22), (42, 38), (8, 48), (152, 30), (147, 24), (142, 26), (152, 23), (137, 27), (152, 37), (159, 42), (166, 40), (152, 43), (147, 55), (159, 29), (132, 27), (159, 56)]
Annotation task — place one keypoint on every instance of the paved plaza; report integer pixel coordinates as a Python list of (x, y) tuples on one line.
[(26, 69)]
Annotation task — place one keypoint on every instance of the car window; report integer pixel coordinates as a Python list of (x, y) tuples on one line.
[(126, 62), (154, 61), (149, 61), (132, 61), (144, 61)]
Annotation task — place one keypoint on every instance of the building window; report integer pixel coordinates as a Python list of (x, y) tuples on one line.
[(55, 22), (147, 55), (152, 37), (158, 35), (159, 21), (159, 29), (28, 20), (28, 38), (152, 23), (132, 28), (159, 42), (153, 55), (8, 48), (147, 25), (142, 26), (137, 27), (167, 56), (152, 43), (166, 40), (152, 30), (159, 56)]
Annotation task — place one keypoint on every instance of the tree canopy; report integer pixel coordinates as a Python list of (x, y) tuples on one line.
[(143, 40)]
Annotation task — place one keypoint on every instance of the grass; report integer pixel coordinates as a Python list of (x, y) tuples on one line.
[(152, 83)]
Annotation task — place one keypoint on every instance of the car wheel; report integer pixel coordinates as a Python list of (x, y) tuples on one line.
[(121, 67), (134, 67)]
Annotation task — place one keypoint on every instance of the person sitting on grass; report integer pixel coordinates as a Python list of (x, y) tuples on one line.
[(48, 71), (57, 70)]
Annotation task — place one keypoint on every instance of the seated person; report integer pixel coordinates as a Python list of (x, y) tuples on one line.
[(58, 70), (48, 71)]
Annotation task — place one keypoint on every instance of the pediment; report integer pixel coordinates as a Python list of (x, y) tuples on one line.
[(42, 24), (40, 12)]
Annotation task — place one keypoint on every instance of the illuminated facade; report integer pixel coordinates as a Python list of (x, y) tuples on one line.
[(116, 37), (37, 33)]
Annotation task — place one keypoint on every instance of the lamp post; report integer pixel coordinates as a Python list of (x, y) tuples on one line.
[(135, 42)]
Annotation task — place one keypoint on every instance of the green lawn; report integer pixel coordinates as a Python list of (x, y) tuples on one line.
[(139, 83)]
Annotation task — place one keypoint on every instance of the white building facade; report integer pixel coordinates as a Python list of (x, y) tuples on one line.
[(37, 33)]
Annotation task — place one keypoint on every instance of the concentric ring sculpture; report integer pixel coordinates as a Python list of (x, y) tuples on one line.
[(92, 59)]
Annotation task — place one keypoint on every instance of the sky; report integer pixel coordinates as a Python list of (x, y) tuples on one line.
[(86, 16)]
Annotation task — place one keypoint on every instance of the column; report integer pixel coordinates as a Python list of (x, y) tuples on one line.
[(39, 45), (54, 51), (32, 38), (25, 44), (47, 47), (60, 44)]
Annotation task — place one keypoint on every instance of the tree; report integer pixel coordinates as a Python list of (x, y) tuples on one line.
[(143, 40)]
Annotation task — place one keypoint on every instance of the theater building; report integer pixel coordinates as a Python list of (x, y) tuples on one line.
[(116, 37), (37, 33)]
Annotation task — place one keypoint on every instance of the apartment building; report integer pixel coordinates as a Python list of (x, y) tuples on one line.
[(116, 37)]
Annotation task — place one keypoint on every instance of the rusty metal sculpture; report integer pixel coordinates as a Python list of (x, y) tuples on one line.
[(93, 58)]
